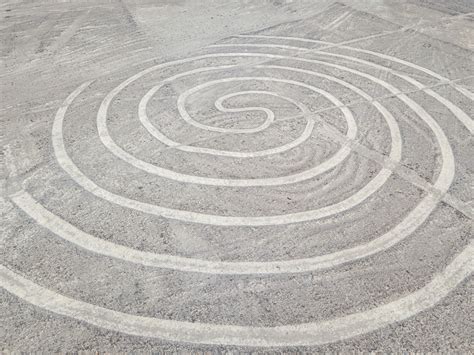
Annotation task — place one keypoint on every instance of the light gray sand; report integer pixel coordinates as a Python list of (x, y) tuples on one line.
[(237, 175)]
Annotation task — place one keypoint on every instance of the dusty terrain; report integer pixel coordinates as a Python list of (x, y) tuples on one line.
[(237, 175)]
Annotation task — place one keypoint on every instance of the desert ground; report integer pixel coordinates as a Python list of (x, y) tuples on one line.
[(237, 176)]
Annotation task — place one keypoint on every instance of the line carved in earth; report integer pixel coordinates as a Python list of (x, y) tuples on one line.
[(72, 234), (142, 114), (314, 333)]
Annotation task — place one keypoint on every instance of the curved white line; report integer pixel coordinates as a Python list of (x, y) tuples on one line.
[(308, 130), (165, 140), (330, 163), (185, 115), (93, 244), (268, 45), (461, 115), (314, 333), (144, 119)]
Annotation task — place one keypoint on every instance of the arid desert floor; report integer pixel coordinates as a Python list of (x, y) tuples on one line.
[(252, 175)]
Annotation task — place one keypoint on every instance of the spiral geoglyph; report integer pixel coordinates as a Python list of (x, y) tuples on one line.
[(235, 75)]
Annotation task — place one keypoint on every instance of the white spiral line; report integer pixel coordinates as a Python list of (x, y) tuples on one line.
[(314, 333), (290, 335), (405, 228), (189, 216), (142, 114), (269, 113), (170, 174)]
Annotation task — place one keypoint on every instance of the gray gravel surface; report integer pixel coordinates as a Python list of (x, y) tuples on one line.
[(268, 176)]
